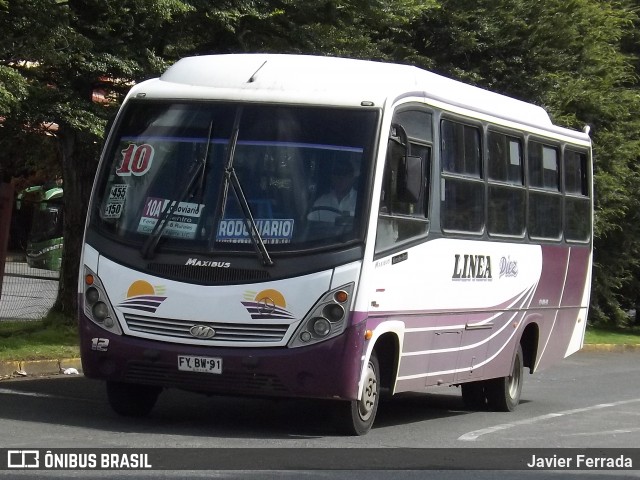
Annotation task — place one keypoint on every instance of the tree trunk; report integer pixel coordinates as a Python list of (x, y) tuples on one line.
[(79, 161)]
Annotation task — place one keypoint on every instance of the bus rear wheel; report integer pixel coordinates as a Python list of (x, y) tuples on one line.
[(356, 417), (498, 394), (131, 400), (474, 396), (503, 394)]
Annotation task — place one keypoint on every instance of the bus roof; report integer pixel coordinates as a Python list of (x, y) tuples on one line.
[(306, 79)]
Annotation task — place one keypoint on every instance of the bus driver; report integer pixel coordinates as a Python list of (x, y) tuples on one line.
[(340, 200)]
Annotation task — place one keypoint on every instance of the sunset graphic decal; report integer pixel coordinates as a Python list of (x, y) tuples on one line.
[(143, 296), (267, 304)]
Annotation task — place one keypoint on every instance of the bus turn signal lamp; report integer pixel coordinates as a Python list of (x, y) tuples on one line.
[(341, 296), (327, 318)]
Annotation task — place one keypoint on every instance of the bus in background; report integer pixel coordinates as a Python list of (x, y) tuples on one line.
[(329, 228), (45, 234)]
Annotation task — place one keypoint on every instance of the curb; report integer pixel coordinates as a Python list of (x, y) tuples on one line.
[(604, 347), (25, 368)]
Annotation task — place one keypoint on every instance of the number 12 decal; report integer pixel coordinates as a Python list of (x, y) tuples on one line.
[(136, 160)]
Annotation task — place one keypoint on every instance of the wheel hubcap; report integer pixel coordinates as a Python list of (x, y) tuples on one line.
[(369, 394)]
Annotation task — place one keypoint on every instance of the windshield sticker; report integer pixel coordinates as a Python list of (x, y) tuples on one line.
[(272, 231), (136, 160), (183, 223), (115, 202), (267, 304)]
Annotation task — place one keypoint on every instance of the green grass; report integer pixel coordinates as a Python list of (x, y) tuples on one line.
[(57, 337), (613, 335), (48, 339)]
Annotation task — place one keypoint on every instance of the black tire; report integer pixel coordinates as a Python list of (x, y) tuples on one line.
[(474, 395), (503, 394), (131, 400), (357, 416)]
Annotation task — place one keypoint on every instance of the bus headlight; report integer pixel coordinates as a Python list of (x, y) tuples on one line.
[(333, 312), (100, 311), (321, 327), (92, 295), (97, 306), (327, 318)]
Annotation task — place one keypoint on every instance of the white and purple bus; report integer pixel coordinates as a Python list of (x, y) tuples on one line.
[(336, 229)]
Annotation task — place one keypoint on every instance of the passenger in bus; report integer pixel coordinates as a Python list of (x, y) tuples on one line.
[(340, 201)]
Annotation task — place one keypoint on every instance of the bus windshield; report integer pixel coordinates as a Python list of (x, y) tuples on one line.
[(186, 172)]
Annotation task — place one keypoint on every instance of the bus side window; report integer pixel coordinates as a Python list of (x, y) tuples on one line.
[(462, 185), (506, 195), (545, 200), (403, 217), (577, 203)]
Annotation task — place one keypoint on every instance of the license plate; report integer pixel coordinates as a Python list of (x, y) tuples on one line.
[(188, 363)]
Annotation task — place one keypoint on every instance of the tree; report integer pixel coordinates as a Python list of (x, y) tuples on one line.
[(568, 56), (352, 28), (571, 56), (58, 53)]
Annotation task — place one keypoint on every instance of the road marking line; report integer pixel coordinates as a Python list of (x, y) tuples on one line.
[(7, 391), (473, 436), (606, 432)]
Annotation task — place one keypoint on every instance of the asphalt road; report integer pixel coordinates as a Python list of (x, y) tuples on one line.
[(591, 400)]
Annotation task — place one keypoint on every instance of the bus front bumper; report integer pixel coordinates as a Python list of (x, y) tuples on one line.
[(330, 369)]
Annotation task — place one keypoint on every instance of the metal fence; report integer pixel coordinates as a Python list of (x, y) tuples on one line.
[(27, 293)]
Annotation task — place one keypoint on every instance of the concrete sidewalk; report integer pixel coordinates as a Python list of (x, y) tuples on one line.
[(34, 368)]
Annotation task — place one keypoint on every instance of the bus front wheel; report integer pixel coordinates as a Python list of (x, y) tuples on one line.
[(356, 417), (131, 400)]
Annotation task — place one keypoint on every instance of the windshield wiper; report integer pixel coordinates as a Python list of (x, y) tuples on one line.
[(230, 177), (194, 177)]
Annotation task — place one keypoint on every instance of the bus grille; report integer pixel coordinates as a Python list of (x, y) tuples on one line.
[(228, 382), (207, 276), (224, 332)]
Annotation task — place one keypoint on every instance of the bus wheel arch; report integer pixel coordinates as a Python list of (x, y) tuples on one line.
[(387, 348), (529, 343)]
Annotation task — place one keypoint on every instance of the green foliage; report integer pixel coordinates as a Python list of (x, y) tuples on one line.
[(12, 89), (352, 28), (574, 57), (569, 56)]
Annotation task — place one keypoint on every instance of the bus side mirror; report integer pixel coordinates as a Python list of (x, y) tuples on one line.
[(410, 175), (410, 168)]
